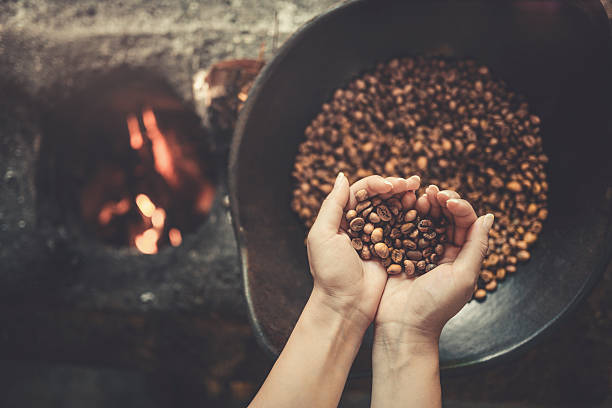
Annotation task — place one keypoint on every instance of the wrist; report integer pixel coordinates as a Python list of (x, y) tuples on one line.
[(405, 366), (338, 312), (400, 339)]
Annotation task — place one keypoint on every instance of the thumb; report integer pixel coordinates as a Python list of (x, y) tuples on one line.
[(474, 249), (330, 215)]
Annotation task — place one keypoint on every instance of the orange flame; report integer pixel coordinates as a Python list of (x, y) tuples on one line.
[(145, 205), (110, 209), (136, 140), (175, 237), (164, 162), (147, 241)]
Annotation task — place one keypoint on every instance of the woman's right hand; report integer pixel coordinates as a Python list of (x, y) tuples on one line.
[(416, 309)]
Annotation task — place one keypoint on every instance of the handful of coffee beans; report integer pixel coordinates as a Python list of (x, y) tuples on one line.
[(449, 121), (401, 239)]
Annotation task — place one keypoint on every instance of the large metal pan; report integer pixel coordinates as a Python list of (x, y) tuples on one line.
[(556, 53)]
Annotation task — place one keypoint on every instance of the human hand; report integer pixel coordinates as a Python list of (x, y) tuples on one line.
[(343, 281), (416, 309)]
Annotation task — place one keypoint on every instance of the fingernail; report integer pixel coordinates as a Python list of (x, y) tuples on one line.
[(339, 177), (390, 184), (453, 200), (415, 177), (488, 221)]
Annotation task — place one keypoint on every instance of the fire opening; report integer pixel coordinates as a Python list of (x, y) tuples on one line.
[(134, 166)]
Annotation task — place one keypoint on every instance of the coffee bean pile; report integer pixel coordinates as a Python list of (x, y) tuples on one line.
[(448, 121), (400, 239)]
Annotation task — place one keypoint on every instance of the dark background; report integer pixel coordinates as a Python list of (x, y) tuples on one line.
[(572, 367), (74, 335)]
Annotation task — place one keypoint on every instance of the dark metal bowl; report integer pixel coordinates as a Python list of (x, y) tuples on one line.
[(556, 53)]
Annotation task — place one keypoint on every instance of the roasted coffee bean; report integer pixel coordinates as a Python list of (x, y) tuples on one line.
[(357, 243), (350, 214), (429, 267), (362, 206), (374, 218), (480, 294), (409, 267), (365, 213), (414, 234), (357, 224), (429, 235), (424, 225), (486, 275), (500, 274), (530, 237), (439, 249), (361, 195), (366, 238), (420, 266), (414, 255), (381, 249), (377, 235), (394, 269), (368, 228), (384, 213), (423, 243), (395, 233), (491, 286), (406, 228), (427, 252), (409, 244), (397, 256), (523, 256)]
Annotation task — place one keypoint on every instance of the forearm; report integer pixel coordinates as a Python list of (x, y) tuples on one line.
[(405, 373), (313, 367)]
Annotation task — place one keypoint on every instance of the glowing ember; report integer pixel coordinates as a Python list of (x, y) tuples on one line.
[(147, 241), (164, 163), (158, 218), (145, 205), (175, 237), (136, 140)]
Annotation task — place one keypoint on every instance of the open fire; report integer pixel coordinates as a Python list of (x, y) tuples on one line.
[(151, 187)]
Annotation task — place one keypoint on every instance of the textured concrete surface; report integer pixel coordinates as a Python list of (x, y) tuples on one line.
[(51, 50)]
